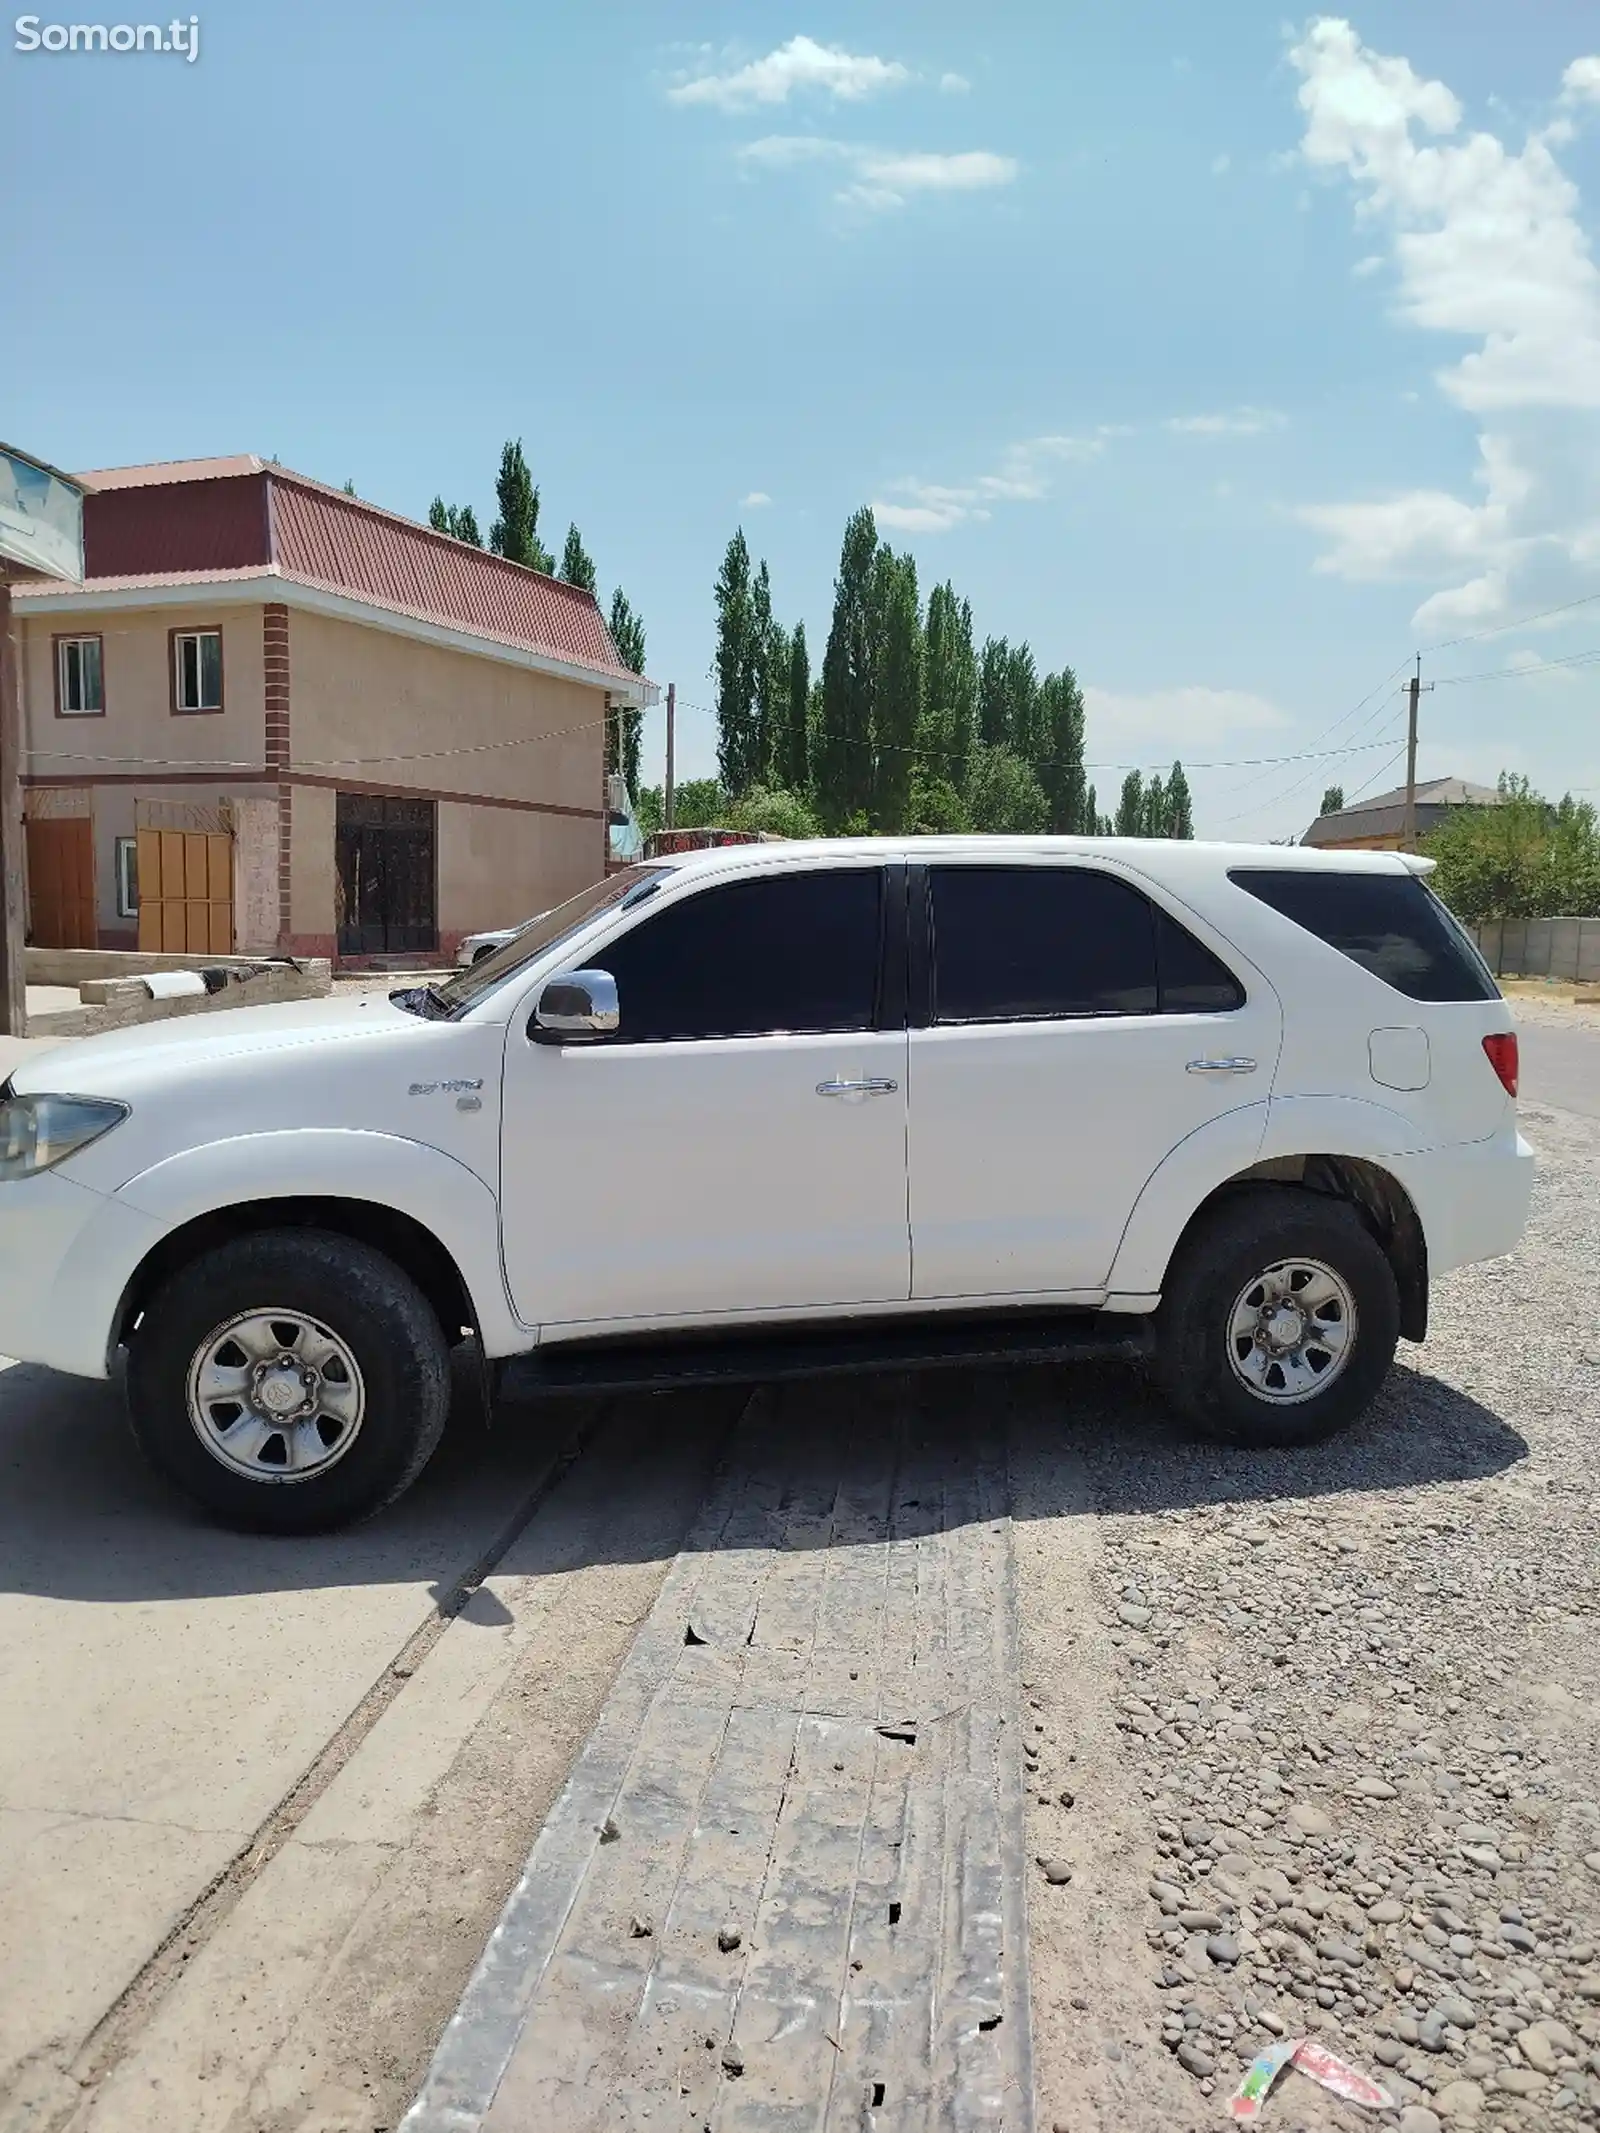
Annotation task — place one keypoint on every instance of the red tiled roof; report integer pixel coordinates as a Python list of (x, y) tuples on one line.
[(322, 537), (339, 542)]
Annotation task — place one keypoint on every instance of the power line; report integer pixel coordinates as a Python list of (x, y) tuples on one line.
[(1247, 762), (1539, 666), (1498, 629)]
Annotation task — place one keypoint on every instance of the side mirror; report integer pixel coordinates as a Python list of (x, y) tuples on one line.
[(575, 1008)]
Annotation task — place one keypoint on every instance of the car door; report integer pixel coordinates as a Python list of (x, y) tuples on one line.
[(1073, 1033), (738, 1145)]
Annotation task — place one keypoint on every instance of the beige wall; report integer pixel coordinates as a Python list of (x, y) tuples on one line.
[(361, 699), (497, 867), (311, 861), (139, 721)]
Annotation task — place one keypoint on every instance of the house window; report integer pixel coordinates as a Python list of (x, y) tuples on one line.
[(127, 877), (80, 680), (196, 670)]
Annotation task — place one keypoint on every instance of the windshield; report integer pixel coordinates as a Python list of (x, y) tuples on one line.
[(467, 987)]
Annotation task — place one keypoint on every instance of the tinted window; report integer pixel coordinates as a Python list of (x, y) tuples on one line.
[(1193, 981), (1388, 923), (790, 952), (1017, 944)]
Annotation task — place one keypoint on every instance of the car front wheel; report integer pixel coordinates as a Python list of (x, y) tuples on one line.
[(290, 1381), (1278, 1319)]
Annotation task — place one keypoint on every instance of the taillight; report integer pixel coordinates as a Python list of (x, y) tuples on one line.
[(1501, 1050)]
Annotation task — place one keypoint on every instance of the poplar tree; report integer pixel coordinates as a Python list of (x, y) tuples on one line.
[(734, 671), (577, 567), (625, 734), (842, 742), (1060, 768), (515, 533), (1180, 806), (897, 697), (791, 754)]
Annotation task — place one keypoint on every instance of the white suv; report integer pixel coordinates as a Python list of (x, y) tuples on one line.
[(906, 1100)]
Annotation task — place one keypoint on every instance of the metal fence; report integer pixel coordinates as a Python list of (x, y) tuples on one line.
[(1541, 948)]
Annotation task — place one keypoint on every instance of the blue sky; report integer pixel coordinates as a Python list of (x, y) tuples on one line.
[(1226, 356)]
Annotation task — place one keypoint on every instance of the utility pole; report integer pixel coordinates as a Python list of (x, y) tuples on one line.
[(1413, 696), (668, 809), (13, 970)]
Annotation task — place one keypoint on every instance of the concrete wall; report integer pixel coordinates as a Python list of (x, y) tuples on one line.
[(1542, 948)]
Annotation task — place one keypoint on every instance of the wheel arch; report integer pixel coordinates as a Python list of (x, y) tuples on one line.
[(401, 1237), (1336, 1146), (1375, 1193)]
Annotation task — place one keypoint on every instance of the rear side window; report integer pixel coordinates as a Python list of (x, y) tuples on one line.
[(1388, 923), (1028, 944), (786, 952)]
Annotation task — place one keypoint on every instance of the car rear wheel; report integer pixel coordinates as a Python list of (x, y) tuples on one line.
[(1278, 1319), (289, 1382)]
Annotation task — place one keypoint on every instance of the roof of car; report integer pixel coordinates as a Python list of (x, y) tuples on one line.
[(1171, 858)]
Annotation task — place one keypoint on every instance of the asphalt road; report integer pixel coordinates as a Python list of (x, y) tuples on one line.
[(1560, 1066)]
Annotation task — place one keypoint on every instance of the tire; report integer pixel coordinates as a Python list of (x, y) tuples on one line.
[(368, 1362), (1243, 1387)]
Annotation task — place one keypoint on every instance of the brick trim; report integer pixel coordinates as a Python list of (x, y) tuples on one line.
[(275, 741)]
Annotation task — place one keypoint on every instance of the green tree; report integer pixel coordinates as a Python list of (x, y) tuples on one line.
[(1024, 718), (1060, 764), (696, 804), (841, 754), (735, 670), (1003, 796), (577, 567), (950, 684), (439, 515), (515, 533), (771, 808), (1130, 806), (764, 654), (1153, 814), (625, 733), (994, 694), (791, 754), (1180, 805), (349, 488), (897, 696), (1524, 858), (1332, 800), (934, 807), (460, 522)]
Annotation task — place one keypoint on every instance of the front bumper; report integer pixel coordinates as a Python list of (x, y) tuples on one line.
[(1472, 1199), (67, 1255)]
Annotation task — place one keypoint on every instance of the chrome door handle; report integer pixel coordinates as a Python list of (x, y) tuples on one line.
[(874, 1085), (1220, 1066)]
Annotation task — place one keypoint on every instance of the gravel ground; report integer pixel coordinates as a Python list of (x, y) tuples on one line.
[(1329, 1724)]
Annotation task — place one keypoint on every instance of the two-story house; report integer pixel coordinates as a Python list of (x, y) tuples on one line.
[(275, 719)]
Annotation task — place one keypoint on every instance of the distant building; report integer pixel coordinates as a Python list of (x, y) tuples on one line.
[(276, 719), (1379, 824)]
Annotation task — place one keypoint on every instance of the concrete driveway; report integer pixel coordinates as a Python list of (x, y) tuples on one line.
[(169, 1685)]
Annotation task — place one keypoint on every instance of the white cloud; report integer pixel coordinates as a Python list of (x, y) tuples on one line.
[(1237, 422), (755, 500), (1024, 475), (802, 63), (954, 84), (883, 177), (1365, 268), (1221, 164), (1488, 246), (1487, 242)]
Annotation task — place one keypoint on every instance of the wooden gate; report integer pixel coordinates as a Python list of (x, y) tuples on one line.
[(185, 892), (61, 907)]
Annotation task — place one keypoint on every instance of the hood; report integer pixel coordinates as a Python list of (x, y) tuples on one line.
[(169, 1049)]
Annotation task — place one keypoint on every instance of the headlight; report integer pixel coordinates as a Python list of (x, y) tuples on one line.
[(37, 1132)]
